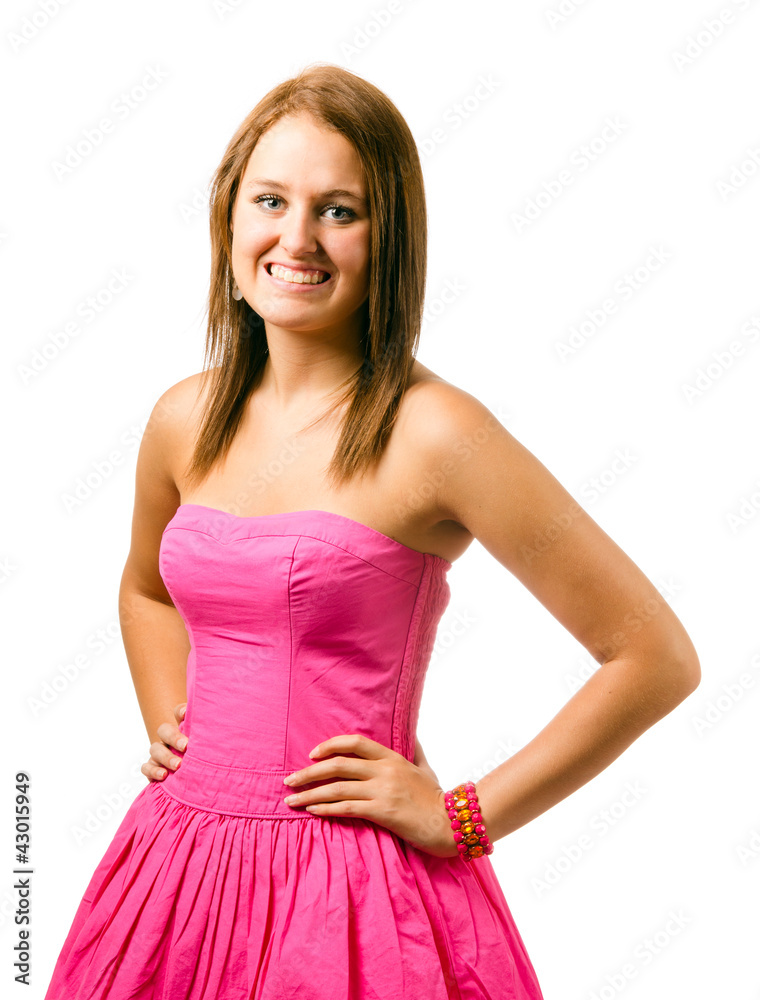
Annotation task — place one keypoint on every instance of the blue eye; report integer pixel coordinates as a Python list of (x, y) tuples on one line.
[(348, 213), (266, 197), (341, 208)]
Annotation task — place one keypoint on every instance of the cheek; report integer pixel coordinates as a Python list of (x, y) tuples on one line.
[(353, 254), (251, 238)]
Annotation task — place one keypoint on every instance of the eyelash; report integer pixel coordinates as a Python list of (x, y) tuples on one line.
[(344, 208)]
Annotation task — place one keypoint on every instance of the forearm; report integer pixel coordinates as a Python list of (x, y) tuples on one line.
[(156, 645), (613, 708)]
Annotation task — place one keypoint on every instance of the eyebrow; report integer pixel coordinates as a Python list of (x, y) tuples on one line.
[(332, 193)]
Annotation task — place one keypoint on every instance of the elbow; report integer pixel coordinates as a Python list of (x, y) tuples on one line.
[(686, 674), (691, 673)]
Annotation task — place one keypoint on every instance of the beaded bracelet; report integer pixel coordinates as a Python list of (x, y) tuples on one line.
[(467, 822)]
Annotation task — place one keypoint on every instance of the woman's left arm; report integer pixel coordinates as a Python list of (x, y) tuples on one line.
[(509, 501)]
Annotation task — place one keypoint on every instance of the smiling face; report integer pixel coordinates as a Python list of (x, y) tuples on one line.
[(301, 205)]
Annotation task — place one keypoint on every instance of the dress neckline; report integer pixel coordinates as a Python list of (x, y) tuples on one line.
[(324, 513)]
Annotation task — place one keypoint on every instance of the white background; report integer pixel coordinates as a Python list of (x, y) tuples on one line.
[(686, 507)]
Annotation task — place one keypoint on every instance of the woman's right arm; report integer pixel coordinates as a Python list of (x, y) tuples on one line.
[(154, 635)]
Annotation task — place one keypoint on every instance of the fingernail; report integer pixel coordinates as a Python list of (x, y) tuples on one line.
[(181, 744), (176, 761), (162, 774)]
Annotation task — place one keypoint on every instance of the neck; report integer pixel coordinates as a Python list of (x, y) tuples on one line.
[(304, 368)]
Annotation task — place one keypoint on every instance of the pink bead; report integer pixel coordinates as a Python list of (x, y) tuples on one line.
[(455, 824)]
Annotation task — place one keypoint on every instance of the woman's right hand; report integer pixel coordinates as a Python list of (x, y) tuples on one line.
[(161, 755)]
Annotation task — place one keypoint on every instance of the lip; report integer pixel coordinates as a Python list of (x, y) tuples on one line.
[(295, 285), (295, 267)]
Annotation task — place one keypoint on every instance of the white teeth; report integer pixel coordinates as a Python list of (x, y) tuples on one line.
[(298, 277)]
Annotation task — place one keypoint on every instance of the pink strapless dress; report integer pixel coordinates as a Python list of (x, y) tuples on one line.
[(303, 626)]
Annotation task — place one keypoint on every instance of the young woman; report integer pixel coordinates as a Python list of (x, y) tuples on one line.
[(298, 506)]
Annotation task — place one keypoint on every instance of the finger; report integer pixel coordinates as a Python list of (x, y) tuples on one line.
[(345, 794), (153, 772), (162, 755), (172, 735), (179, 711), (352, 743), (335, 767)]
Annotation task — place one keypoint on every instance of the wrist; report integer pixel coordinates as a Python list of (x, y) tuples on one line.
[(467, 822)]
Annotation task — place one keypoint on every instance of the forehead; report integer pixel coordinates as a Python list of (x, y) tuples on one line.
[(299, 152)]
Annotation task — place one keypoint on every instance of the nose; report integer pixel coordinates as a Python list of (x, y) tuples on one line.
[(297, 234)]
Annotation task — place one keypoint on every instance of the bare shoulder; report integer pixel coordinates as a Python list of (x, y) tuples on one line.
[(181, 407), (442, 421), (169, 432)]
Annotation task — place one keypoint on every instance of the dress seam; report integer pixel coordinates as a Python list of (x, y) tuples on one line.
[(397, 737), (290, 654), (299, 535), (234, 815)]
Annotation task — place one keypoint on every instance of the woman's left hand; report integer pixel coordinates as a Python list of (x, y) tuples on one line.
[(380, 785)]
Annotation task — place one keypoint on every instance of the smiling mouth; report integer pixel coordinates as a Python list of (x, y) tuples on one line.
[(306, 276)]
